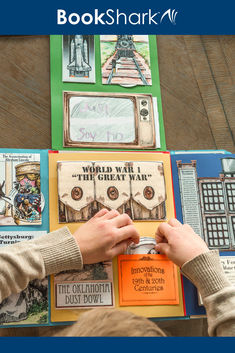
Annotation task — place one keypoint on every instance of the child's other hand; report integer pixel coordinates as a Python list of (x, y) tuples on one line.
[(179, 242), (105, 236)]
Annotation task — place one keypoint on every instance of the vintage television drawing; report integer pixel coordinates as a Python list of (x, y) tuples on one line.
[(135, 188), (110, 120), (78, 58), (208, 203)]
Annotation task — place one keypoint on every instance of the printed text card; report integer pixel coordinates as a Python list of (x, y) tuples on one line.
[(147, 280)]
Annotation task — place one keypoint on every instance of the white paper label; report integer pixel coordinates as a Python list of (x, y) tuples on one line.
[(8, 238), (84, 294), (228, 263)]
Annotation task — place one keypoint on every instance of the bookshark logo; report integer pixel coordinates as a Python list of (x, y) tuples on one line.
[(116, 17), (171, 15)]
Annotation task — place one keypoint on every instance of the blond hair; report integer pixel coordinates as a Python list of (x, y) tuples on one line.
[(111, 322)]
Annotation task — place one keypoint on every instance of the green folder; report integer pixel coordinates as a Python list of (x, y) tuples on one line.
[(58, 86)]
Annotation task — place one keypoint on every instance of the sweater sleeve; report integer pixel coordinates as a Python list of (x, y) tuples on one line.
[(22, 262), (218, 294)]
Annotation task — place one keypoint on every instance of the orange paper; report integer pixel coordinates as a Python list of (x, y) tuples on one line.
[(147, 280)]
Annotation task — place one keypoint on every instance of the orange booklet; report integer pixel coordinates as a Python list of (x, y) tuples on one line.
[(147, 280)]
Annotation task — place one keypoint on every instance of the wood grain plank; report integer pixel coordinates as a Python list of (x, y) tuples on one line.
[(223, 77), (184, 113), (228, 46), (30, 331), (176, 72), (185, 127), (25, 92), (207, 85)]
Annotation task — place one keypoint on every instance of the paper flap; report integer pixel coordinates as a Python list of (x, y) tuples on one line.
[(148, 187), (75, 184), (112, 184)]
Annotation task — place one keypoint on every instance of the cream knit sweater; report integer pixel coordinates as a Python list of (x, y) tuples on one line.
[(58, 251)]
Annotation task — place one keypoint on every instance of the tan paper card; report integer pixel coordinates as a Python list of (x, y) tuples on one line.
[(135, 188)]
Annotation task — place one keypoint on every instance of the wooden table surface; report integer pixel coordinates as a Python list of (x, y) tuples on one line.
[(197, 83), (197, 76)]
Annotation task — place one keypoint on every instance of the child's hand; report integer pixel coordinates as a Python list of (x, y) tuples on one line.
[(105, 235), (179, 242)]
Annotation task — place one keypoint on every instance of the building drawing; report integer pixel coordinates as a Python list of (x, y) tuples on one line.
[(213, 214)]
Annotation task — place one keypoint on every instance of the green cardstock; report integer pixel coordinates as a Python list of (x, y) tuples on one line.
[(58, 87)]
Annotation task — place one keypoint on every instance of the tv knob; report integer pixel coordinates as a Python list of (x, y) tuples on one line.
[(144, 102), (144, 112)]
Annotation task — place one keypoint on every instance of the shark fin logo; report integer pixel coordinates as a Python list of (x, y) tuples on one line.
[(171, 15)]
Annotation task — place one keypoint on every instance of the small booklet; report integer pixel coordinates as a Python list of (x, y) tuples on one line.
[(24, 216), (147, 280)]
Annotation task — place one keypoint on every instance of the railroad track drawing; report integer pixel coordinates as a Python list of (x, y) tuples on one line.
[(126, 66)]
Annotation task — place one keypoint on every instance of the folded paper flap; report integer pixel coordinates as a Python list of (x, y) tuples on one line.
[(75, 184), (148, 187), (112, 184)]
